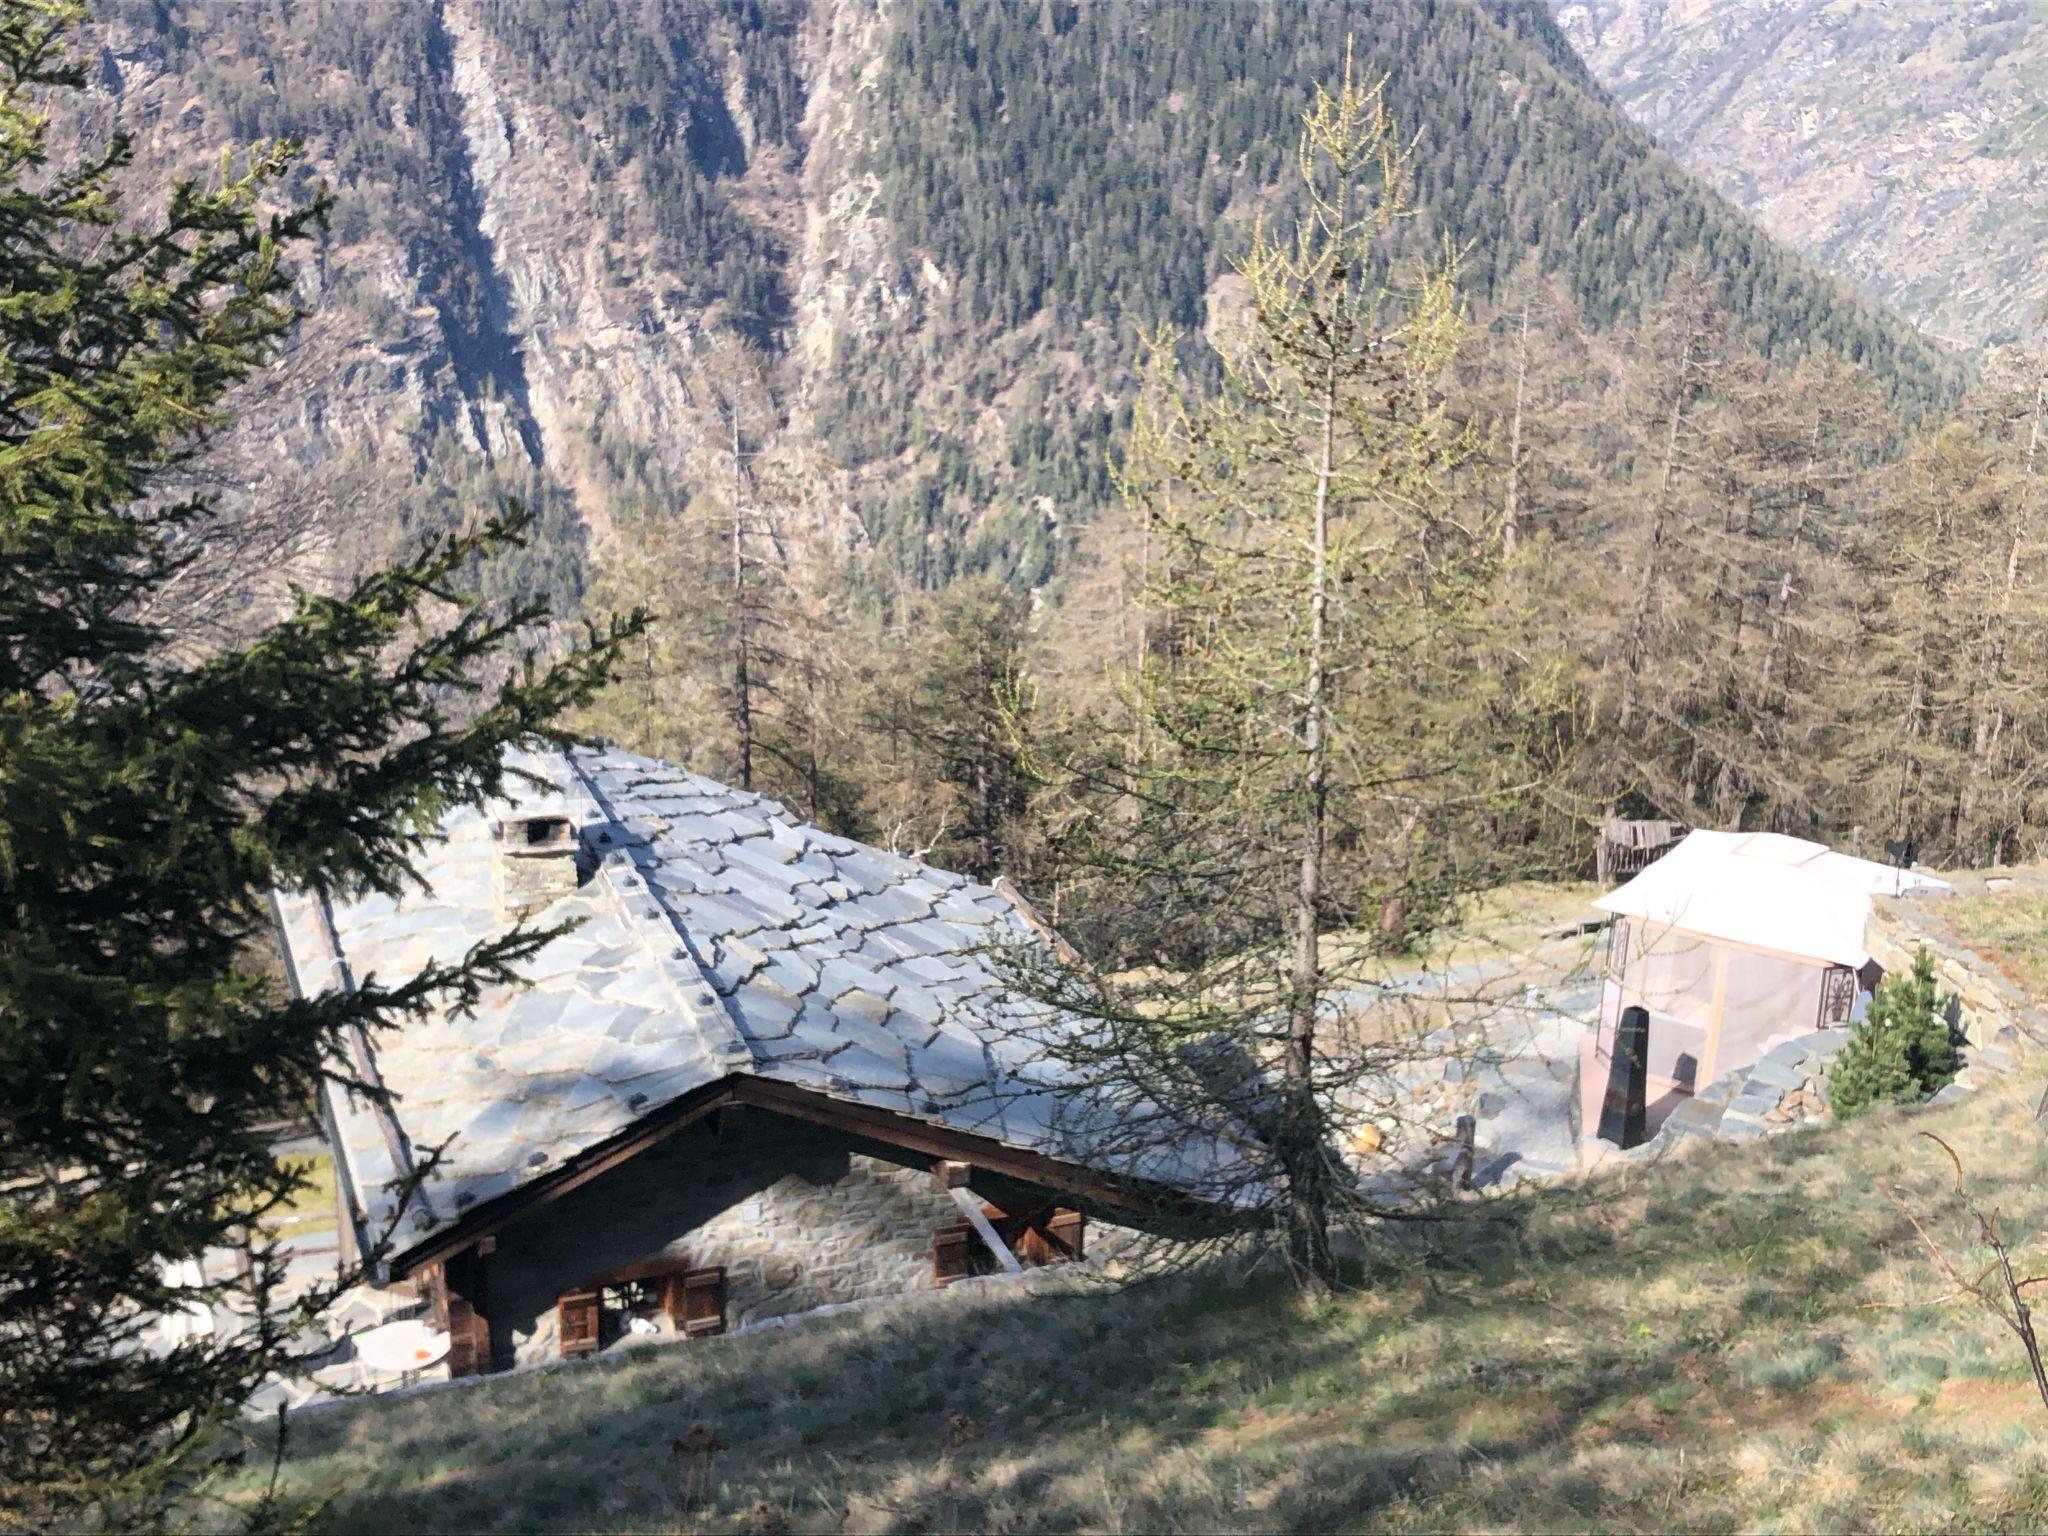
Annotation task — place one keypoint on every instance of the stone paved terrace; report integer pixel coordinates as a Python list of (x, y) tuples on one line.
[(715, 934)]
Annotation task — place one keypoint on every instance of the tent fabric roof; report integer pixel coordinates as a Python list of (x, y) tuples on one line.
[(717, 936), (1765, 890)]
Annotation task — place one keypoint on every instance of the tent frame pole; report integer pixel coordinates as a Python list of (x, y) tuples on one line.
[(1706, 1072)]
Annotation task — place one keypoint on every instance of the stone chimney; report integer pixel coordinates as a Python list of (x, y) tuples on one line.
[(533, 861)]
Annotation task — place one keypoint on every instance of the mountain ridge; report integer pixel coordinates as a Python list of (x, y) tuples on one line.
[(1899, 146), (562, 235)]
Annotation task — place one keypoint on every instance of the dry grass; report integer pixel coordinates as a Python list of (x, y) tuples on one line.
[(2009, 929), (1508, 923), (311, 1210), (1748, 1339)]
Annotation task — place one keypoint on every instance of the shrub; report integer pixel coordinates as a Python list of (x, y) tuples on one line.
[(1901, 1051)]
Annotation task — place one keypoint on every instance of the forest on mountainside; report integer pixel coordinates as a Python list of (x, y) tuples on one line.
[(1897, 145), (1139, 156), (942, 228), (1740, 593), (816, 329)]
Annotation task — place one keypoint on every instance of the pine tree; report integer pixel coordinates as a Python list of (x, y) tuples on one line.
[(1901, 1051), (151, 799)]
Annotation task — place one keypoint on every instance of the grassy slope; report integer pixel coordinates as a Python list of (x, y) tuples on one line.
[(1729, 1341), (2010, 929)]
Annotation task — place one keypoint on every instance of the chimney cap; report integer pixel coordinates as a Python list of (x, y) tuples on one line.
[(539, 832)]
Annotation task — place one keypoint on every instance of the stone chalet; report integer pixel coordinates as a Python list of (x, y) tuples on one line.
[(767, 1070)]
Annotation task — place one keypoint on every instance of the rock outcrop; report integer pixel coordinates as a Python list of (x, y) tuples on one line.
[(1901, 145)]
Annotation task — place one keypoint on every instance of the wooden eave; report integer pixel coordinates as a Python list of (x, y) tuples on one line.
[(887, 1127)]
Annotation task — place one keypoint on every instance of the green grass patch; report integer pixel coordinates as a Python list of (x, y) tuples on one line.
[(1749, 1338), (312, 1209)]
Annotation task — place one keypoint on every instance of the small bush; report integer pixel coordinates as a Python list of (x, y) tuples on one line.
[(1900, 1052)]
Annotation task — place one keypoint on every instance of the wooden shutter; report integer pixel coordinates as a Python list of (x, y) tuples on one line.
[(469, 1340), (576, 1321), (1069, 1233), (1047, 1234), (463, 1302), (952, 1252), (701, 1293)]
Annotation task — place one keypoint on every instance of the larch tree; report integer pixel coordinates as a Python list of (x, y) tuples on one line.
[(153, 793), (1951, 732), (1725, 584), (740, 677), (1309, 730), (1676, 366), (1935, 519), (2005, 737)]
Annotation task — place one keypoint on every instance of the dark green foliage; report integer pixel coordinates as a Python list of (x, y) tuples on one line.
[(957, 717), (1077, 169), (647, 80), (149, 802), (1052, 178), (1901, 1052)]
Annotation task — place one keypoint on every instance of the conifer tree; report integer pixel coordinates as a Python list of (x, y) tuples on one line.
[(1901, 1051), (965, 686), (150, 799)]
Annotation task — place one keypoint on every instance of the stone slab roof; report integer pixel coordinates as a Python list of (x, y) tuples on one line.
[(716, 935)]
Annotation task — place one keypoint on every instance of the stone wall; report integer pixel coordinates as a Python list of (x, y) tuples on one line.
[(1784, 1089), (1996, 1020), (799, 1217)]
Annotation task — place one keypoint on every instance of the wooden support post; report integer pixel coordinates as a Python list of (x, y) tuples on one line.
[(970, 1207)]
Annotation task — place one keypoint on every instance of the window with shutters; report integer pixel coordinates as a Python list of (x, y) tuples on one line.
[(1046, 1234), (608, 1306)]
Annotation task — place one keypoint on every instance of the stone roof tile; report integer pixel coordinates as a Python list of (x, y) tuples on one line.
[(719, 935)]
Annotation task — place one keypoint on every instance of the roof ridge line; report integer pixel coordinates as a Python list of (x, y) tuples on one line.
[(667, 942)]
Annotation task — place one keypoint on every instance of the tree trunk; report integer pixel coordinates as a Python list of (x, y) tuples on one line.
[(1774, 649), (1308, 1217), (1639, 618), (1511, 508), (742, 679)]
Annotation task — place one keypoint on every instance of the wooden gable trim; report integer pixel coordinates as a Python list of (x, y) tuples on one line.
[(885, 1126), (495, 1215), (937, 1141)]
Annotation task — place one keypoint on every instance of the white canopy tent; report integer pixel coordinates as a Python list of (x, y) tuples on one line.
[(1733, 942)]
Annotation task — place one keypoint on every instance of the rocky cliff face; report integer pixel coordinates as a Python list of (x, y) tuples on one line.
[(919, 242), (1900, 143)]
